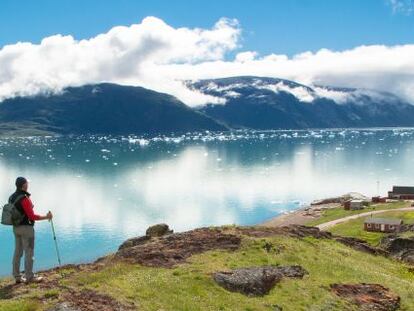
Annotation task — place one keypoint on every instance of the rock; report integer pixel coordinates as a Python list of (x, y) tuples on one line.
[(169, 250), (153, 231), (89, 300), (368, 296), (256, 281), (360, 245), (158, 230), (296, 231), (399, 248), (64, 306), (395, 244), (134, 241)]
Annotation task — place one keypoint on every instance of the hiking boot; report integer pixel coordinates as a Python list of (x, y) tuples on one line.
[(35, 279), (20, 279)]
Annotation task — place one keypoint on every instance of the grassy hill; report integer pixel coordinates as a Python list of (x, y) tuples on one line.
[(120, 284)]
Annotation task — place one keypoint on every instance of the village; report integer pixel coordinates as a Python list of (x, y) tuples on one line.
[(380, 224)]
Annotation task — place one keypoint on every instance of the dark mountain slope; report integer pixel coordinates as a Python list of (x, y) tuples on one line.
[(105, 109)]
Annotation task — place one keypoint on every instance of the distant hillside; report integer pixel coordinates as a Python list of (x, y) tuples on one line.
[(268, 103), (104, 109), (250, 102)]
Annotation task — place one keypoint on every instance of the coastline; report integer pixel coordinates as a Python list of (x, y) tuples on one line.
[(310, 212), (301, 216)]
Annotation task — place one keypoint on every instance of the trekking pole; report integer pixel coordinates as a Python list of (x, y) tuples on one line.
[(56, 245)]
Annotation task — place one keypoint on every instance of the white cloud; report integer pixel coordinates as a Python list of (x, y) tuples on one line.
[(300, 92), (155, 55)]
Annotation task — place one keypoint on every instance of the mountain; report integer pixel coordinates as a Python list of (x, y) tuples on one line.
[(268, 103), (248, 102), (103, 109)]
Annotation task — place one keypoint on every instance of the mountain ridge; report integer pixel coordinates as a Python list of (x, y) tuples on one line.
[(257, 103)]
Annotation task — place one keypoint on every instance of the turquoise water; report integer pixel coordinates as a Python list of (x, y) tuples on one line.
[(103, 190)]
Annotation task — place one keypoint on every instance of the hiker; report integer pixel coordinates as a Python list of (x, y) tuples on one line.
[(24, 232)]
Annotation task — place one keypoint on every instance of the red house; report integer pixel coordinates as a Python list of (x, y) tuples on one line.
[(383, 225)]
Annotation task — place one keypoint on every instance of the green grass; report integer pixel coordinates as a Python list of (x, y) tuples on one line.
[(355, 228), (190, 286), (336, 213)]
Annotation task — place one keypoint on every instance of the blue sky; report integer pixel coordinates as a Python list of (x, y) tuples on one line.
[(288, 27), (159, 44)]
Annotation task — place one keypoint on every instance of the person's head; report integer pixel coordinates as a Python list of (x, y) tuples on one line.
[(22, 183)]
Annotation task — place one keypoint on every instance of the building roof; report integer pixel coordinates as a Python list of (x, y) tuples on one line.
[(383, 221), (402, 190)]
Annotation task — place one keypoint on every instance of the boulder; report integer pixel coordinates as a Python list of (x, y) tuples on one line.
[(256, 281), (399, 248), (158, 230), (368, 297)]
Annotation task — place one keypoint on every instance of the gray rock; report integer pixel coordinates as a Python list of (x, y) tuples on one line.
[(158, 230), (134, 242), (256, 281), (63, 307), (400, 248)]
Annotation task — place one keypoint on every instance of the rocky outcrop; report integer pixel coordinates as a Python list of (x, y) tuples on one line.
[(399, 248), (169, 250), (296, 231), (256, 281), (360, 245), (368, 297), (153, 231)]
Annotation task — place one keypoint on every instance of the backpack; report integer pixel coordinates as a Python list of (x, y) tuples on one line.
[(11, 216)]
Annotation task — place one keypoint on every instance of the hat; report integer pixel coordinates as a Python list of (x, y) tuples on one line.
[(20, 181)]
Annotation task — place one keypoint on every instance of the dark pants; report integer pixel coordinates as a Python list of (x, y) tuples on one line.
[(24, 237)]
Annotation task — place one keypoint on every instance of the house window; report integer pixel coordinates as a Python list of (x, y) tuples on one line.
[(391, 227), (368, 225), (377, 226)]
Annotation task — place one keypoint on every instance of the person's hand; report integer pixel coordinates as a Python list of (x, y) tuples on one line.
[(49, 215)]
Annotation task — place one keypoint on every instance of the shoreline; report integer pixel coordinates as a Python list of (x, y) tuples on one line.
[(310, 212), (301, 216)]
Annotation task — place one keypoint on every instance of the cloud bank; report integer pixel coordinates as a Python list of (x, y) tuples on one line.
[(155, 55)]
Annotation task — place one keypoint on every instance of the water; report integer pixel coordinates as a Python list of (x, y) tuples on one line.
[(103, 190)]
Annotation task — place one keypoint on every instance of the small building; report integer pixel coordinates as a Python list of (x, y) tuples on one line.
[(379, 199), (354, 205), (401, 193), (382, 225)]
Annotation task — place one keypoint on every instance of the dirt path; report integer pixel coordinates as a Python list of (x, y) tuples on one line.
[(332, 223)]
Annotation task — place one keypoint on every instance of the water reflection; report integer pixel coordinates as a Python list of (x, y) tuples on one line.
[(103, 190)]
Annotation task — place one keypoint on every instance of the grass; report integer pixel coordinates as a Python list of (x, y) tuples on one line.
[(336, 213), (190, 286), (354, 228)]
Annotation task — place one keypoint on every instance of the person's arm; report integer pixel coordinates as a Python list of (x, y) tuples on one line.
[(28, 210)]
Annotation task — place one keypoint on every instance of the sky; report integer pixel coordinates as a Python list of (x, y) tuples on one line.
[(47, 45)]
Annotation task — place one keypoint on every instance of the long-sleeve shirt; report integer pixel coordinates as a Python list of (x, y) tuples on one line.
[(28, 209)]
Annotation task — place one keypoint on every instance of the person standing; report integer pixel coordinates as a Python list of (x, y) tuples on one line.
[(24, 234)]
